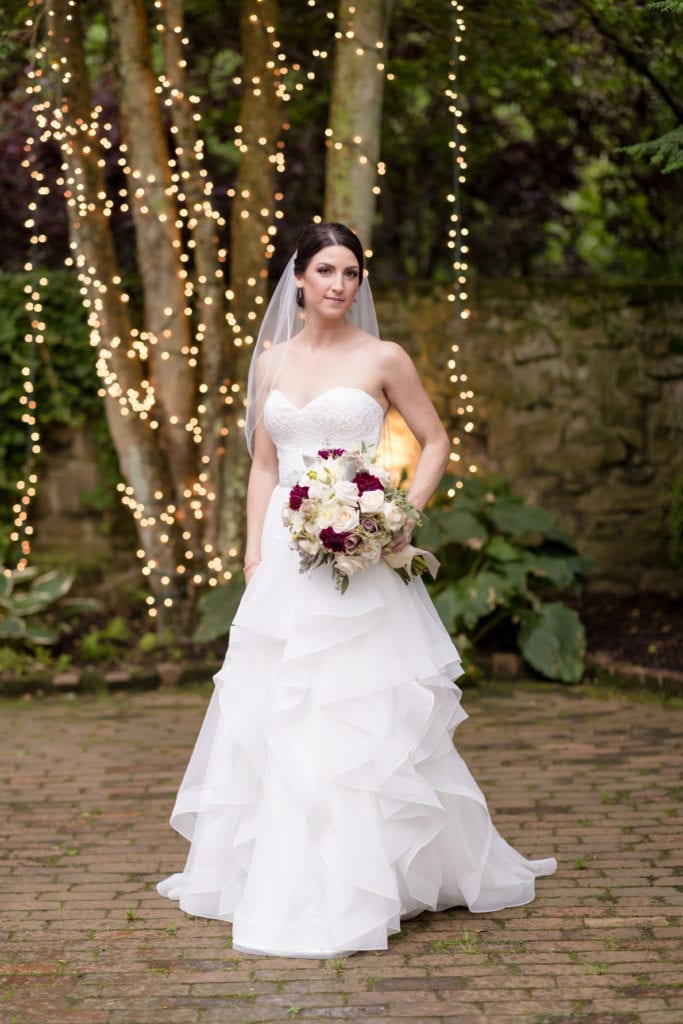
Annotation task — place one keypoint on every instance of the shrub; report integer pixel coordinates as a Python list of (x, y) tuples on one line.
[(499, 558)]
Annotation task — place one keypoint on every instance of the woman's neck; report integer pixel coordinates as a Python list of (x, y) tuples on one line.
[(318, 333)]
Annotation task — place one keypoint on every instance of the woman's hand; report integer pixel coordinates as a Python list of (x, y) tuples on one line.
[(403, 536)]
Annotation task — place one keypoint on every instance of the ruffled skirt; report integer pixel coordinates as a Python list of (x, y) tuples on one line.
[(324, 799)]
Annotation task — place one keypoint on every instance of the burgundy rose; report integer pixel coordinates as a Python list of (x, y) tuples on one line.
[(367, 482), (331, 453), (296, 496), (332, 540)]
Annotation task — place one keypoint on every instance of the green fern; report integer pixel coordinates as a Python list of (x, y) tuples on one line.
[(665, 152)]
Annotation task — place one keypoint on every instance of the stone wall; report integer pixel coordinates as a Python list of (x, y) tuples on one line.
[(578, 403)]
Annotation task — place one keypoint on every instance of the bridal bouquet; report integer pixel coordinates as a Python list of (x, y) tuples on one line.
[(341, 511)]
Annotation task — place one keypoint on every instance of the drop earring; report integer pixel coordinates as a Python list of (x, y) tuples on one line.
[(300, 297)]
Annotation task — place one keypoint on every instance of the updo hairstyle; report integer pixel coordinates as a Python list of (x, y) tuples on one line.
[(318, 236)]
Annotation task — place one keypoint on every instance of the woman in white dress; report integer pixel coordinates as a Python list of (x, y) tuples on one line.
[(324, 800)]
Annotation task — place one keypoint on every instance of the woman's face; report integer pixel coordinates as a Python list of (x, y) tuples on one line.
[(330, 282)]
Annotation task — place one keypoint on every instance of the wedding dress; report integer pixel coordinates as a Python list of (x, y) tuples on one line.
[(324, 799)]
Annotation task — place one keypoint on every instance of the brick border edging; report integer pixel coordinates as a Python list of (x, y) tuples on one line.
[(92, 680), (625, 676), (600, 667)]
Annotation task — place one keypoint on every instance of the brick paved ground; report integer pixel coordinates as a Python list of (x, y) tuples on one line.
[(88, 785)]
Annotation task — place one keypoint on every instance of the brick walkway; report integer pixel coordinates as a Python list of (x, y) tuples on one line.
[(88, 785)]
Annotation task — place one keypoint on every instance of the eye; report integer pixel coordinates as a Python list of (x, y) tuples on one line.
[(352, 273)]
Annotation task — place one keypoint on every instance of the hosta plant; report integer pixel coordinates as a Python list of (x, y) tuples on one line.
[(503, 565), (24, 598)]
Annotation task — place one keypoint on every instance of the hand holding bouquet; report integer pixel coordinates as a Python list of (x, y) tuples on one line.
[(341, 511)]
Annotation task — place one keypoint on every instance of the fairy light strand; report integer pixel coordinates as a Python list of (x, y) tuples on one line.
[(458, 236), (290, 79)]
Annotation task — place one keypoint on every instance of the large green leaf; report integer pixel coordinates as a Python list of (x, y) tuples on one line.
[(6, 585), (30, 603), (12, 628), (448, 606), (39, 633), (553, 641), (52, 585), (560, 569), (502, 550), (217, 609), (510, 516), (80, 605), (24, 575), (475, 597)]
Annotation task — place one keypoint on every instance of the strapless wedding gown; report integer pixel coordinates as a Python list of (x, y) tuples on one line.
[(324, 799)]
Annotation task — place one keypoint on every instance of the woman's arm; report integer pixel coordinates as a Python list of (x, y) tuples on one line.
[(404, 390), (262, 479)]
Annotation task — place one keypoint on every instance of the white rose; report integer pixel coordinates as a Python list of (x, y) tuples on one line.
[(347, 565), (347, 492), (394, 516), (345, 520), (372, 501)]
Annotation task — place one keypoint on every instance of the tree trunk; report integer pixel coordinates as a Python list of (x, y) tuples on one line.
[(159, 247), (252, 215), (353, 143), (97, 267), (208, 280)]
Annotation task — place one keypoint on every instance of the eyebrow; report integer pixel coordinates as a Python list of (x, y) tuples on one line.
[(325, 263)]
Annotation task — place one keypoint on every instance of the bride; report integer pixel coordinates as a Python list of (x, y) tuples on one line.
[(324, 800)]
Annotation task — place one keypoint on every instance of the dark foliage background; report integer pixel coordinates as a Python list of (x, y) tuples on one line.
[(552, 91)]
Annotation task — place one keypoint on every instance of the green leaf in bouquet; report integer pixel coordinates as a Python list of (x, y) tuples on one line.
[(553, 641), (217, 609)]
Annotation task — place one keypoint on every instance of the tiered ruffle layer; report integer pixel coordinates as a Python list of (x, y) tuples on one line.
[(324, 799)]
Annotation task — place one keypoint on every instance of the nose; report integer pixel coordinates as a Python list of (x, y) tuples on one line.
[(337, 283)]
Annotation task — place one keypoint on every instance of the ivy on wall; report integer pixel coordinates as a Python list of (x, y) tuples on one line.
[(66, 386)]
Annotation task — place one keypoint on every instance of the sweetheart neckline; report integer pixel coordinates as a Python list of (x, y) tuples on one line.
[(337, 387)]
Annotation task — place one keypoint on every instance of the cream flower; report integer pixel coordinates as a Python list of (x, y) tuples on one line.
[(346, 491), (372, 501), (345, 520), (395, 516)]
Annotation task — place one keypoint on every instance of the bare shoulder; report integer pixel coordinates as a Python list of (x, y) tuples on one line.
[(395, 362)]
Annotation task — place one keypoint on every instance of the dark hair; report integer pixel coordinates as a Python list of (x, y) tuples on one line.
[(317, 236)]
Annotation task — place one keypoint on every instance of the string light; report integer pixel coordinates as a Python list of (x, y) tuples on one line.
[(458, 236), (183, 203)]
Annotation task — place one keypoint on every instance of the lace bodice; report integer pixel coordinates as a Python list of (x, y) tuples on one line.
[(337, 418)]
